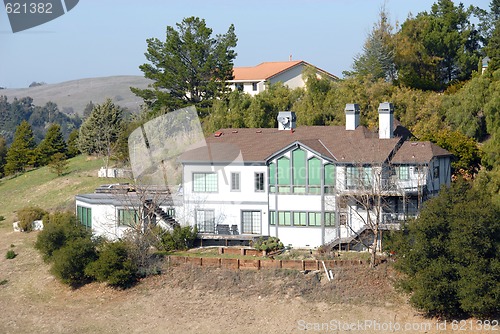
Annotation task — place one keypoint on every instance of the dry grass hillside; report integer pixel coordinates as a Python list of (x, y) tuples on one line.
[(76, 94)]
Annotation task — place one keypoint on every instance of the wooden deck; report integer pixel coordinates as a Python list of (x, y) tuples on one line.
[(211, 239)]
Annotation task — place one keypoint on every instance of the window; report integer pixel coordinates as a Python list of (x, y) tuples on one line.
[(329, 178), (403, 172), (238, 86), (205, 221), (235, 182), (358, 177), (435, 172), (330, 219), (254, 86), (250, 222), (170, 212), (284, 218), (272, 177), (343, 219), (299, 171), (314, 175), (259, 182), (127, 217), (205, 182), (272, 217), (299, 218), (314, 218), (284, 175), (84, 216)]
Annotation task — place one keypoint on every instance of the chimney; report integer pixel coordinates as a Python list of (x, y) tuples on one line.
[(351, 116), (385, 120), (286, 120)]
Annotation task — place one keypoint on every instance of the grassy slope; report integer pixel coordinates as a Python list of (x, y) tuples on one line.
[(45, 189)]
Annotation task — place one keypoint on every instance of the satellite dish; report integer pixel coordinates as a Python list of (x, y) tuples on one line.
[(283, 120)]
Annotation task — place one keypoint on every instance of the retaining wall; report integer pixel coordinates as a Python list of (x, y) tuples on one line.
[(256, 264)]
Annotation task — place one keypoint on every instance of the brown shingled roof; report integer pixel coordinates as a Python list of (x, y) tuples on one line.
[(418, 152), (267, 70), (258, 145)]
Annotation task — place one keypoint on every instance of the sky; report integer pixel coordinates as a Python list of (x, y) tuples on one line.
[(100, 38)]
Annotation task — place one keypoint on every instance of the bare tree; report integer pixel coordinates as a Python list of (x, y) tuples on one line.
[(366, 203)]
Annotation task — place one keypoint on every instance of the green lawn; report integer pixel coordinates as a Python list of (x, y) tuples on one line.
[(42, 188)]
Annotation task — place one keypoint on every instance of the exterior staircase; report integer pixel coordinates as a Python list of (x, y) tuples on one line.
[(168, 219)]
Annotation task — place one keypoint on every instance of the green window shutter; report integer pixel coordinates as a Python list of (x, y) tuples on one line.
[(314, 171), (283, 171), (299, 167), (329, 175)]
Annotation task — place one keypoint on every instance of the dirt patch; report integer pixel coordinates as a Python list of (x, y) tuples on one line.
[(189, 299)]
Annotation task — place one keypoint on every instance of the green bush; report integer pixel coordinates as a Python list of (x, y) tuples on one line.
[(270, 244), (180, 238), (27, 215), (450, 255), (70, 261), (59, 228), (10, 254), (114, 265)]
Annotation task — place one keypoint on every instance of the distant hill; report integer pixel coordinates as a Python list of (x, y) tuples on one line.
[(73, 96)]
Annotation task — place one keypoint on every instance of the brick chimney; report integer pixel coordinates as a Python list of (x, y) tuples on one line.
[(351, 116)]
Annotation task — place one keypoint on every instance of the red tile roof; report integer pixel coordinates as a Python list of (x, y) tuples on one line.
[(267, 70)]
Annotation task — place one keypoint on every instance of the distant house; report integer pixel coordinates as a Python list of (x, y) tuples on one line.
[(253, 80), (297, 183)]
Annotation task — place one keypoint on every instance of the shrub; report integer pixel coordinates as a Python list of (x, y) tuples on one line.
[(27, 215), (114, 265), (70, 261), (10, 254), (180, 238), (60, 227), (270, 244)]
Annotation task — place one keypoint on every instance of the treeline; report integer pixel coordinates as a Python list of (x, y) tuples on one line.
[(38, 117)]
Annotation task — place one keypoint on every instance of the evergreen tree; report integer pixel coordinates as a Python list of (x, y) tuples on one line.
[(450, 254), (22, 151), (437, 48), (52, 143), (377, 59), (3, 154), (100, 132), (190, 67), (72, 144), (493, 49)]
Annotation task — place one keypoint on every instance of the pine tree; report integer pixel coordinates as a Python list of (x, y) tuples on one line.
[(3, 153), (21, 153), (100, 132), (52, 143), (73, 149)]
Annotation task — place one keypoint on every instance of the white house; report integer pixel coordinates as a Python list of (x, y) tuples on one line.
[(253, 80), (303, 184)]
